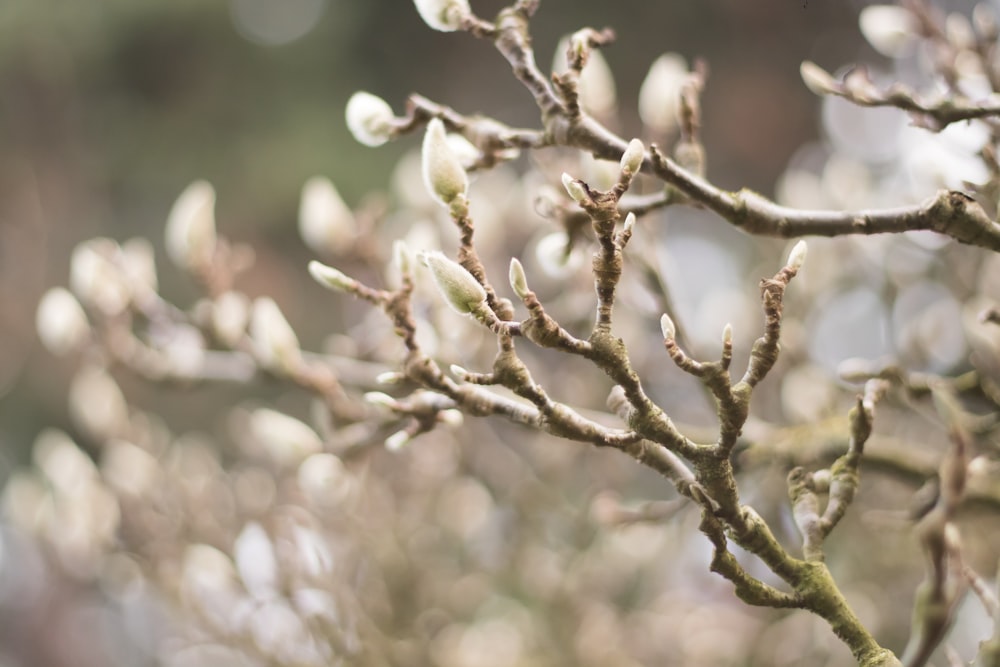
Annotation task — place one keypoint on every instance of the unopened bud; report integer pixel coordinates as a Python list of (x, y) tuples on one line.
[(575, 188), (401, 256), (369, 118), (230, 314), (817, 79), (62, 325), (667, 327), (632, 157), (797, 257), (443, 173), (381, 398), (451, 417), (458, 371), (190, 231), (629, 222), (330, 278), (397, 441), (286, 440), (596, 88), (518, 281), (326, 224), (443, 15), (889, 29), (390, 378), (727, 334), (274, 339), (459, 287), (659, 95), (96, 278), (97, 405)]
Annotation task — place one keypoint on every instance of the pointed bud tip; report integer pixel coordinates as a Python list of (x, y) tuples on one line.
[(667, 327), (518, 281), (574, 188), (727, 334), (817, 79), (458, 371), (633, 156), (444, 175), (329, 277), (797, 257)]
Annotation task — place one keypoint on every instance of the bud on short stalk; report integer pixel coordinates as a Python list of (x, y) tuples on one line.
[(518, 281), (330, 278), (369, 118), (817, 79), (443, 15), (667, 327), (459, 287), (659, 95), (326, 224), (275, 340), (575, 188), (632, 157), (444, 174), (190, 232), (797, 257)]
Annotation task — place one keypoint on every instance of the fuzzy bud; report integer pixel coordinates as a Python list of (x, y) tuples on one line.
[(459, 287), (632, 157), (444, 175), (326, 224), (575, 188), (797, 257), (727, 334), (667, 327), (443, 15), (629, 224), (274, 339), (61, 323), (659, 95), (330, 278), (817, 79), (190, 232), (369, 118), (518, 281)]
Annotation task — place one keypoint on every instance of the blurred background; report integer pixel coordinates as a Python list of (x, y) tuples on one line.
[(109, 109)]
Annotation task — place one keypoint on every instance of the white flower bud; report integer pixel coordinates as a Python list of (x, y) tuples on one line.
[(575, 188), (667, 327), (629, 224), (518, 281), (324, 480), (330, 278), (596, 87), (286, 440), (397, 441), (61, 323), (553, 258), (444, 175), (256, 563), (95, 277), (382, 399), (458, 371), (390, 378), (459, 287), (817, 79), (326, 224), (139, 262), (727, 334), (230, 314), (889, 29), (452, 417), (97, 405), (205, 574), (190, 231), (369, 118), (401, 256), (129, 469), (443, 15), (275, 341), (797, 256), (659, 95), (632, 157)]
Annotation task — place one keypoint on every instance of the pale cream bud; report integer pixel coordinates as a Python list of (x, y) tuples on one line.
[(61, 323), (659, 95), (458, 371), (451, 417), (443, 15), (596, 87), (66, 467), (817, 79), (96, 279), (330, 278), (667, 327), (632, 157), (286, 440), (326, 224), (401, 256), (459, 287), (129, 470), (256, 562), (275, 341), (230, 315), (324, 480), (891, 30), (382, 399), (397, 441), (97, 405), (797, 257), (190, 231), (205, 573), (390, 378), (369, 118), (629, 224), (553, 258), (139, 262), (574, 188), (444, 175), (727, 334), (518, 281)]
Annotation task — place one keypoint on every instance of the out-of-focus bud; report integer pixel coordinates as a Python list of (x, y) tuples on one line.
[(401, 256), (632, 157), (574, 188), (96, 279), (140, 262), (553, 255), (518, 281), (286, 440), (190, 231), (274, 339), (369, 118), (817, 79), (629, 223), (97, 405), (891, 30), (667, 327), (324, 480), (596, 88), (230, 315), (460, 288), (727, 334), (382, 399), (129, 470), (458, 371), (390, 378), (329, 277), (66, 467), (443, 15), (61, 323), (256, 563), (326, 224), (659, 95), (443, 172), (206, 573), (397, 441), (797, 256)]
